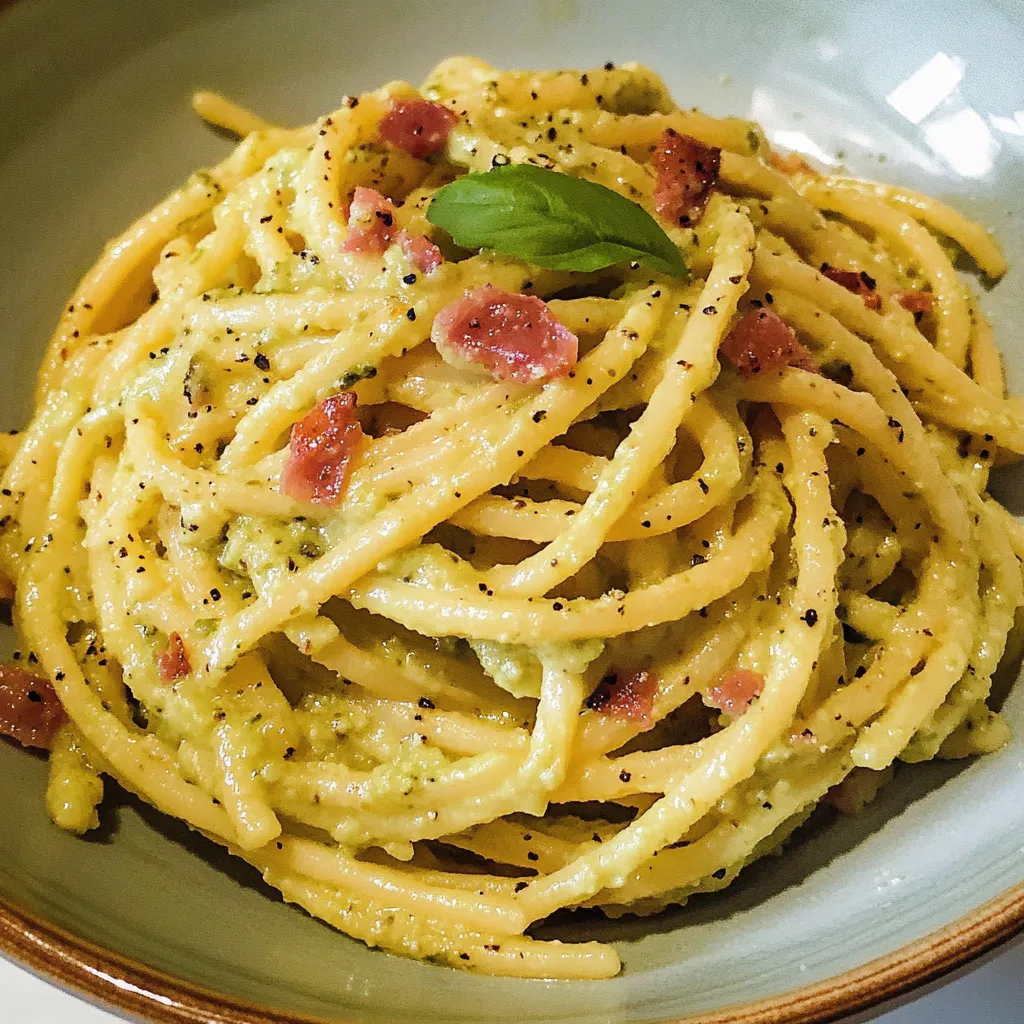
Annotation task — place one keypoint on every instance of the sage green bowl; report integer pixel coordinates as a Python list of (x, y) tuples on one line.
[(96, 126)]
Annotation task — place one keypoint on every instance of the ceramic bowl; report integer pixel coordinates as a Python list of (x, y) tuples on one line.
[(96, 126)]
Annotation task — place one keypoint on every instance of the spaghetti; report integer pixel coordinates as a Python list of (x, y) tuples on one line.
[(586, 594)]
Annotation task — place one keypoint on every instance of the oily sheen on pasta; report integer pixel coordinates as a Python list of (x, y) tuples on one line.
[(450, 587)]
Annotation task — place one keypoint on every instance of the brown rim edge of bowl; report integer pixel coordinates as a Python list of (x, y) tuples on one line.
[(136, 989)]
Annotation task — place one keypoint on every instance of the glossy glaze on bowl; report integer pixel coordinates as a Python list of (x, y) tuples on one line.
[(97, 126)]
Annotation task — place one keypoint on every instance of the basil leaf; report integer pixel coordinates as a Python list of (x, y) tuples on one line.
[(552, 220)]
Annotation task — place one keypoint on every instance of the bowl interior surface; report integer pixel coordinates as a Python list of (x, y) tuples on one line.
[(97, 127)]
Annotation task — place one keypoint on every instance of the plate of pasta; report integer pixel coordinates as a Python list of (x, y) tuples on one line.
[(555, 528)]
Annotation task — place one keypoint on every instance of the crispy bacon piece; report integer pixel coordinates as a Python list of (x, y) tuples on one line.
[(629, 696), (372, 228), (859, 283), (320, 450), (371, 222), (789, 163), (686, 172), (762, 341), (513, 336), (30, 710), (419, 127), (734, 692), (173, 663), (421, 252), (916, 302)]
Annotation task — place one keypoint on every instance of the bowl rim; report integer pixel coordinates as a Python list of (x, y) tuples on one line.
[(130, 987)]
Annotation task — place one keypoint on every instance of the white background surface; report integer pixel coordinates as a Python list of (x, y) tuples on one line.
[(993, 994)]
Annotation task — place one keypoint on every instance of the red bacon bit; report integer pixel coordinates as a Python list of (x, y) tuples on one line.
[(513, 336), (734, 692), (790, 163), (761, 340), (419, 127), (859, 283), (916, 302), (421, 252), (30, 710), (371, 222), (320, 450), (625, 696), (173, 663), (371, 229), (686, 172)]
